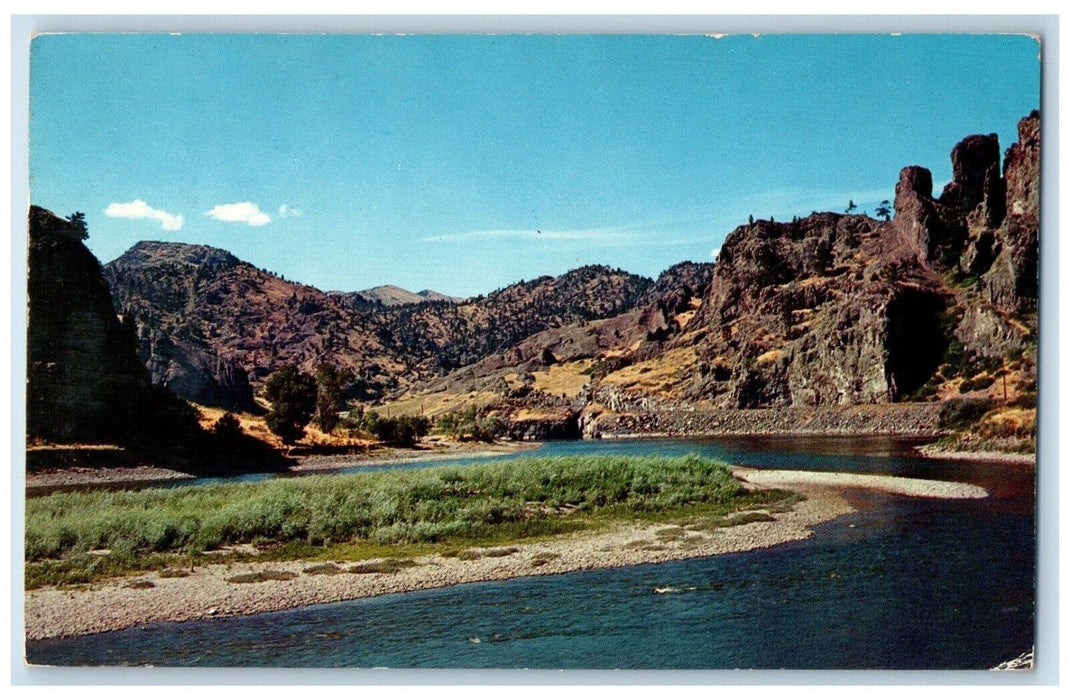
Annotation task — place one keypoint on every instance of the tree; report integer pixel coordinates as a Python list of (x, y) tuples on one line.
[(330, 387), (293, 401), (750, 219), (228, 427), (404, 431), (78, 224), (850, 206), (885, 210)]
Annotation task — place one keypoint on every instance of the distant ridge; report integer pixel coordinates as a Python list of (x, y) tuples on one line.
[(392, 295)]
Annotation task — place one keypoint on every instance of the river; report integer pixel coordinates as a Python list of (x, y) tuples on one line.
[(903, 583)]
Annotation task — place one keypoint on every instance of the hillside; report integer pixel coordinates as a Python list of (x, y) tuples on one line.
[(836, 310), (211, 327)]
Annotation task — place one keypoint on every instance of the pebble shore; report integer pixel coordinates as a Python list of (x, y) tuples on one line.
[(206, 592)]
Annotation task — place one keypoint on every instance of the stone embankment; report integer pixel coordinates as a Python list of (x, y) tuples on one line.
[(920, 420)]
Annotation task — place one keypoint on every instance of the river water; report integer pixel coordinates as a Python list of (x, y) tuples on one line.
[(903, 583)]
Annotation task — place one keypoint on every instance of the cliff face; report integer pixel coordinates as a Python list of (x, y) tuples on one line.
[(834, 309), (84, 380), (812, 313)]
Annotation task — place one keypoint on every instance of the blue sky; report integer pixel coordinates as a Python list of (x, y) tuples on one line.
[(465, 163)]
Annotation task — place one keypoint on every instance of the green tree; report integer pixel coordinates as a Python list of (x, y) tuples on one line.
[(404, 431), (228, 427), (292, 394), (78, 224), (330, 388), (885, 210), (850, 206)]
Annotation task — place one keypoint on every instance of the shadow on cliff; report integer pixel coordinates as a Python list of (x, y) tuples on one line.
[(85, 384)]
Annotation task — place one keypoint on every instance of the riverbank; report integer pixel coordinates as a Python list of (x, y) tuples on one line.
[(214, 591), (644, 418), (933, 451), (431, 450), (434, 450)]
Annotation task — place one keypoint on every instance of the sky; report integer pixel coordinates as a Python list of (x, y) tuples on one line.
[(464, 163)]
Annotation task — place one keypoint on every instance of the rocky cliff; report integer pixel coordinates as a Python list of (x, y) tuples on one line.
[(86, 386), (84, 381), (837, 309)]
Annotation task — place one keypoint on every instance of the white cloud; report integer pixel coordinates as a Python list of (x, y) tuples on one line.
[(286, 210), (239, 212), (139, 209), (714, 253)]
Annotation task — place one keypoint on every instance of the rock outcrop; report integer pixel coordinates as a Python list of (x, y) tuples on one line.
[(812, 312), (834, 309), (85, 383), (1011, 281)]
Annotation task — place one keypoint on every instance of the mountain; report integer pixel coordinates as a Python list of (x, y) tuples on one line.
[(390, 295), (210, 326), (447, 336), (829, 310)]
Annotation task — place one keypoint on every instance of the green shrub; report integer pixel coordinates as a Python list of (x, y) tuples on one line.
[(292, 394), (402, 431), (959, 414), (470, 424)]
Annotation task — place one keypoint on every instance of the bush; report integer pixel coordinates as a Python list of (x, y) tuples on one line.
[(228, 428), (1027, 399), (959, 414), (403, 431), (470, 424), (977, 383)]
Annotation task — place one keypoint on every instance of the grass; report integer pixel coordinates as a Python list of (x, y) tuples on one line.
[(395, 515)]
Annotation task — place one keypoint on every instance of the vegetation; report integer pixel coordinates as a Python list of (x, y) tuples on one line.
[(403, 431), (293, 400), (960, 414), (330, 389), (78, 224), (884, 210), (496, 503), (228, 428), (470, 424)]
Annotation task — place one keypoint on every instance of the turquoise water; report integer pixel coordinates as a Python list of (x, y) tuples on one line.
[(902, 583)]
